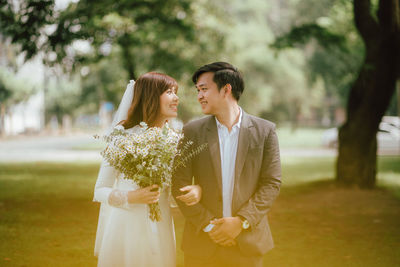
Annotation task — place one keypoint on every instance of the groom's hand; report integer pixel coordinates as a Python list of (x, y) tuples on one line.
[(226, 230), (192, 196)]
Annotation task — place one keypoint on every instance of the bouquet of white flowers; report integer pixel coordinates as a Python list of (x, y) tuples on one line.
[(145, 156)]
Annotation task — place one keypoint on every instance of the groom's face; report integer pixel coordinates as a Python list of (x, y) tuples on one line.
[(208, 95)]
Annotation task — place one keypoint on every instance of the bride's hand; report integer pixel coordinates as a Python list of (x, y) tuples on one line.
[(193, 195), (144, 195)]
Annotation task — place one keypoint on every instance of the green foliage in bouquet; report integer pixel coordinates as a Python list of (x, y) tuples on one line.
[(147, 156)]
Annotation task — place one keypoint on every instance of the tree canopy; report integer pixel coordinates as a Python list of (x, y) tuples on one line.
[(299, 58)]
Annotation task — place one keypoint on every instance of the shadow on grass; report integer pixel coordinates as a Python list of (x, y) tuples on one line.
[(321, 224), (306, 187)]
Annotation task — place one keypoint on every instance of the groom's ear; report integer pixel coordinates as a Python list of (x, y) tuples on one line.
[(227, 89)]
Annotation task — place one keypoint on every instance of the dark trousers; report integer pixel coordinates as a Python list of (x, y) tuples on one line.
[(225, 257)]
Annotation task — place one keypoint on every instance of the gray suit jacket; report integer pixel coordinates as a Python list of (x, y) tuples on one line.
[(256, 185)]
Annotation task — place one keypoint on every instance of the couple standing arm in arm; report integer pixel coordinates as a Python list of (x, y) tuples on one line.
[(239, 173), (237, 179)]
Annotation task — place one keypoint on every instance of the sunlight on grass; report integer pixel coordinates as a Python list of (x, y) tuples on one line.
[(97, 146), (296, 170), (299, 170), (300, 138), (389, 174)]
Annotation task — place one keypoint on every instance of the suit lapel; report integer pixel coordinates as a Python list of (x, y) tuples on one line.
[(243, 145), (215, 155)]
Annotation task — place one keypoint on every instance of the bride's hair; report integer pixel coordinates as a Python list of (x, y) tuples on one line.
[(146, 100)]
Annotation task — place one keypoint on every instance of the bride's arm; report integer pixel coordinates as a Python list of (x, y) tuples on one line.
[(105, 193)]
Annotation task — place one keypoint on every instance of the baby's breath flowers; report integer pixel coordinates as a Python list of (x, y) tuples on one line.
[(145, 156)]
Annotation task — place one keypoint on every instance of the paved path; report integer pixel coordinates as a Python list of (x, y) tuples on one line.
[(49, 148), (69, 148)]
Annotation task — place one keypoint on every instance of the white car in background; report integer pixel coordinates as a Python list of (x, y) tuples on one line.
[(388, 136)]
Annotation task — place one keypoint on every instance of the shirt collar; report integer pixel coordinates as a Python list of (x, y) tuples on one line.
[(236, 125)]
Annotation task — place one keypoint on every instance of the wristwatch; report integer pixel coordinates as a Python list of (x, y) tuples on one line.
[(245, 223), (208, 228)]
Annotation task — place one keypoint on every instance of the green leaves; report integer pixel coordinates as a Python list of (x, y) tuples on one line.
[(5, 93), (303, 34), (23, 22), (12, 88), (332, 46)]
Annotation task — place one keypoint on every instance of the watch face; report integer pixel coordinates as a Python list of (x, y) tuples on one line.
[(245, 224)]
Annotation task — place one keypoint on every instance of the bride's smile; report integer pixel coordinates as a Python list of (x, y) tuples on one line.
[(169, 103)]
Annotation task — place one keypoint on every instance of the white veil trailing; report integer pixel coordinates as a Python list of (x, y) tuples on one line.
[(123, 108), (102, 188)]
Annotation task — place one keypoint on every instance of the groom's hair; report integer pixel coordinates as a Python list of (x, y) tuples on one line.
[(224, 73)]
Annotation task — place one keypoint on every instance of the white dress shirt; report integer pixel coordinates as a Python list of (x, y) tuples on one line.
[(228, 144)]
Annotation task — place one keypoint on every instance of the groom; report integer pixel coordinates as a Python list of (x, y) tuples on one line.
[(239, 173)]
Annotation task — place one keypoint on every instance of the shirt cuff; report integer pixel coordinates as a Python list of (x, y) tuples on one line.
[(208, 228)]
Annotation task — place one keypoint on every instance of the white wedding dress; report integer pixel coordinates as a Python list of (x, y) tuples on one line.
[(126, 236)]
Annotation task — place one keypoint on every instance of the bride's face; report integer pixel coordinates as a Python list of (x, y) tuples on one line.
[(169, 103)]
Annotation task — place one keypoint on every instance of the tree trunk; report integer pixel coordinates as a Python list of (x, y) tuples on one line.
[(127, 57), (370, 95), (294, 111), (398, 99), (2, 119), (356, 164)]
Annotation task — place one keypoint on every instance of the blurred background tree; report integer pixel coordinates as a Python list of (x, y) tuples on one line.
[(12, 91), (360, 68), (325, 31), (304, 62), (132, 37), (107, 43)]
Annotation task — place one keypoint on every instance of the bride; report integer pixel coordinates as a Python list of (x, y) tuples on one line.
[(126, 236)]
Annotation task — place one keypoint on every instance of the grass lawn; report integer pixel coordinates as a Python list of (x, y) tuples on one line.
[(300, 138), (47, 217)]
